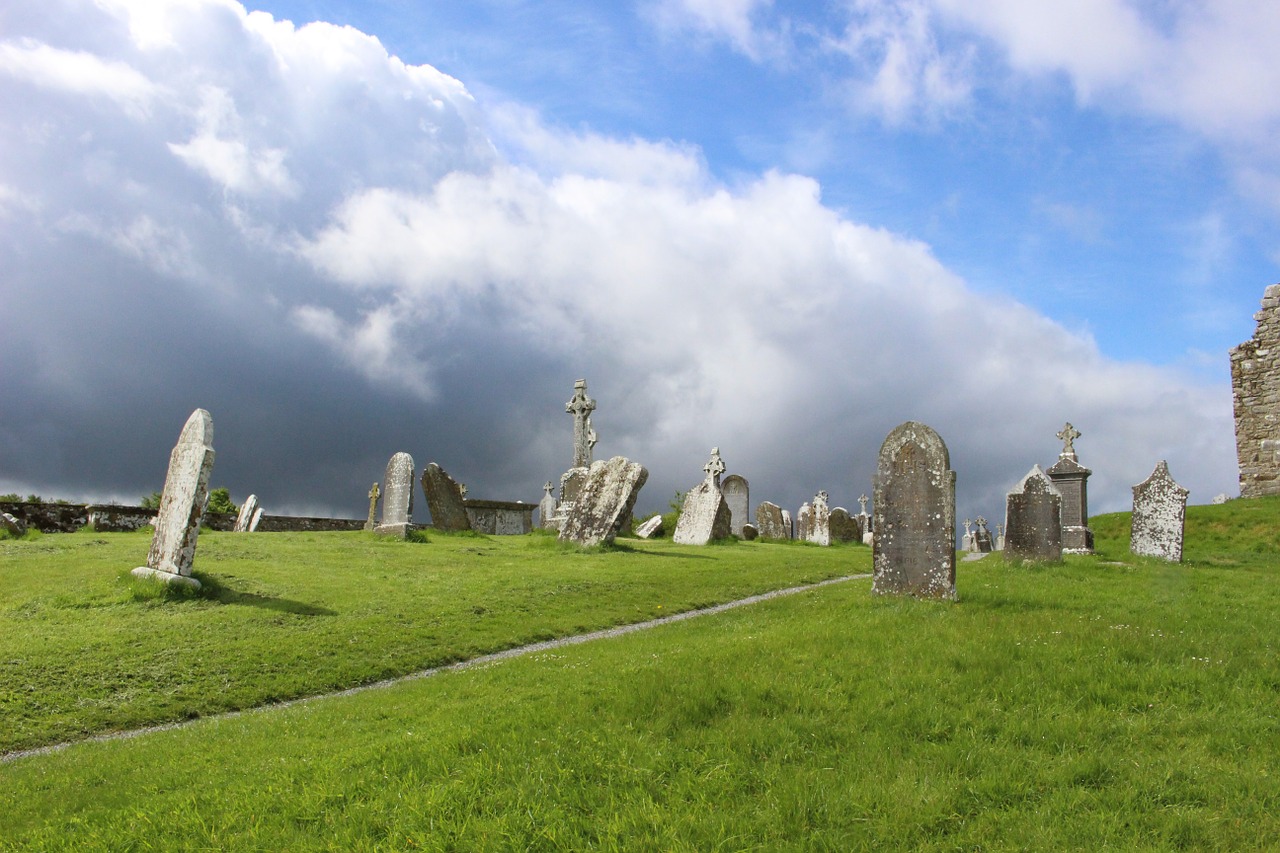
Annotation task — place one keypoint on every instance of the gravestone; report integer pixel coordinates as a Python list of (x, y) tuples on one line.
[(769, 522), (606, 498), (819, 521), (737, 494), (373, 507), (804, 522), (914, 524), (256, 520), (186, 491), (584, 437), (12, 524), (245, 517), (843, 526), (704, 515), (999, 537), (397, 497), (651, 529), (444, 499), (749, 532), (982, 537), (864, 520), (788, 526), (966, 542), (571, 482), (547, 507), (1159, 516), (1071, 480), (1033, 519)]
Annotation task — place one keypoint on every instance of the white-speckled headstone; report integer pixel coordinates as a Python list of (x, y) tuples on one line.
[(914, 523), (397, 496), (604, 501), (186, 490), (769, 521), (704, 515), (1159, 516)]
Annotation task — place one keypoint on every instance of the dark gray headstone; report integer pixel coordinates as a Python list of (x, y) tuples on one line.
[(1033, 519), (186, 491), (914, 523), (1159, 516), (444, 500), (843, 527), (606, 498), (769, 522), (737, 494)]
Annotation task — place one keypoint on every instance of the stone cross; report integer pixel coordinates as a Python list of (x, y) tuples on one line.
[(374, 494), (715, 466), (1068, 435), (549, 487), (584, 437), (862, 502), (981, 522), (968, 524)]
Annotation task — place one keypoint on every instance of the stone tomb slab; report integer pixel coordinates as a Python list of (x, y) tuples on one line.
[(914, 524)]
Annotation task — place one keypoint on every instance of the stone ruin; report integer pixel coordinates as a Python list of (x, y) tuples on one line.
[(705, 514), (444, 500), (737, 494), (1033, 520), (1255, 397), (1159, 516), (1071, 479), (914, 527), (604, 502), (397, 497), (186, 491)]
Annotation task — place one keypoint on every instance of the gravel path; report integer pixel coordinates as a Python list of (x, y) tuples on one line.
[(466, 664)]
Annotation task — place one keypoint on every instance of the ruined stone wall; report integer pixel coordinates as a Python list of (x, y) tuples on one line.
[(67, 518), (1255, 391)]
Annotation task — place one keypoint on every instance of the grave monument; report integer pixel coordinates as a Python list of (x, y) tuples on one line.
[(1159, 516), (1070, 478), (1033, 519), (604, 502), (737, 494), (704, 515), (397, 500), (914, 525)]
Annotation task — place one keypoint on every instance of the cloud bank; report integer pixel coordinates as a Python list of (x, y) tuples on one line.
[(342, 256)]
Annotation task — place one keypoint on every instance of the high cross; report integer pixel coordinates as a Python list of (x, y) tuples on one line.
[(584, 437)]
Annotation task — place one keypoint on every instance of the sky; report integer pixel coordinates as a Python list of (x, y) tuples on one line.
[(349, 229)]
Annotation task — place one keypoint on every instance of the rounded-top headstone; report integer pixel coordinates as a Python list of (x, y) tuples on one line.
[(914, 525)]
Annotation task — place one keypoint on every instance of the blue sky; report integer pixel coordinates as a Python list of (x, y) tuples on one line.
[(351, 229)]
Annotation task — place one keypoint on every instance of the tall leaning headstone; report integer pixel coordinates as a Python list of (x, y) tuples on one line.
[(445, 499), (1033, 519), (914, 525), (1255, 398), (397, 497), (737, 494), (604, 502), (1072, 481), (186, 490), (1159, 516)]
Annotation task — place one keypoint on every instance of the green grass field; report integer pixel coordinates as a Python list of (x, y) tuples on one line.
[(1106, 703)]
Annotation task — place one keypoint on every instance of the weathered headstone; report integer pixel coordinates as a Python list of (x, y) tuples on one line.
[(820, 521), (914, 527), (651, 529), (186, 490), (245, 516), (704, 515), (606, 498), (749, 532), (843, 527), (256, 520), (397, 497), (1159, 516), (12, 524), (547, 507), (737, 494), (1071, 480), (982, 537), (966, 542), (999, 537), (864, 520), (584, 437), (444, 499), (804, 522), (769, 522), (1033, 519), (788, 526), (373, 507), (571, 483)]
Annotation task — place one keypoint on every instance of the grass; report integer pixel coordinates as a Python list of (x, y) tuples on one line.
[(87, 648), (1105, 703)]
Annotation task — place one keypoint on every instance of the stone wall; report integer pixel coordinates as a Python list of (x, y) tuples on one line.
[(109, 518), (1255, 390)]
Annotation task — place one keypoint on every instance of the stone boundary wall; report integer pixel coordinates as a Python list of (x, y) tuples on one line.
[(111, 518)]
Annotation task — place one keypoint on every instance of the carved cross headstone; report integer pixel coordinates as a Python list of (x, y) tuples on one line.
[(862, 503), (714, 467), (704, 515), (547, 506), (584, 437), (374, 493)]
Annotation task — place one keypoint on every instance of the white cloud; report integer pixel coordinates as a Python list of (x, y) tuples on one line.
[(76, 72), (734, 21), (219, 151)]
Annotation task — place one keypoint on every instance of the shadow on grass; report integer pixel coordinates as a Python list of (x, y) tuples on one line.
[(213, 590)]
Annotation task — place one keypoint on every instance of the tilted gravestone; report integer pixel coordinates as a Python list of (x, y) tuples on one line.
[(651, 529), (547, 507), (914, 524), (397, 497), (245, 517), (256, 520), (769, 522), (1033, 519), (605, 500), (737, 494), (373, 507), (704, 515), (186, 490), (1159, 516), (13, 525), (843, 527), (444, 500)]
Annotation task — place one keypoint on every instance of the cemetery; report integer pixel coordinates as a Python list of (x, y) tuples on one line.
[(267, 681)]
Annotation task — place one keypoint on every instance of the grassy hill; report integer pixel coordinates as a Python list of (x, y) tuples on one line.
[(1107, 702)]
